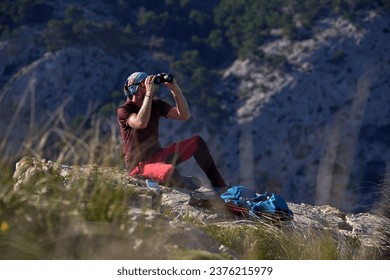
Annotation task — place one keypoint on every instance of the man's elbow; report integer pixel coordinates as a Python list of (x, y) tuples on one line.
[(186, 117), (138, 124), (142, 125)]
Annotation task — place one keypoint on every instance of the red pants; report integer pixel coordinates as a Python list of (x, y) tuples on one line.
[(162, 165)]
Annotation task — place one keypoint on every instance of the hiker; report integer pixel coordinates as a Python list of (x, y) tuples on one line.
[(139, 119)]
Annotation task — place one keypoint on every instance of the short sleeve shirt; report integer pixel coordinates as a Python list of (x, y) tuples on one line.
[(140, 144)]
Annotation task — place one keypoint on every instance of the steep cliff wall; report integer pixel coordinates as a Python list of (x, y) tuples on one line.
[(316, 126)]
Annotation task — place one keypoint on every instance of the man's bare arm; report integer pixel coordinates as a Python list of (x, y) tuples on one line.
[(181, 111)]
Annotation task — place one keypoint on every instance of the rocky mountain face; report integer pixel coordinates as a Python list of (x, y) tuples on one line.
[(314, 125), (174, 225), (310, 122)]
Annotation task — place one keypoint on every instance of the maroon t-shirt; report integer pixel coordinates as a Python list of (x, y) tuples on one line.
[(140, 144)]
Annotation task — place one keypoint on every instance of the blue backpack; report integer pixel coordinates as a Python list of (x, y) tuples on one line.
[(244, 201)]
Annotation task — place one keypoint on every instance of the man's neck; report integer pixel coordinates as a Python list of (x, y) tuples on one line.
[(136, 101)]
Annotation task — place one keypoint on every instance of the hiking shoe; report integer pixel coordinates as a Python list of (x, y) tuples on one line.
[(151, 184), (190, 182), (221, 190), (199, 199)]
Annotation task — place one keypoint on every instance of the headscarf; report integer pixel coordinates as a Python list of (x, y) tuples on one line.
[(131, 84)]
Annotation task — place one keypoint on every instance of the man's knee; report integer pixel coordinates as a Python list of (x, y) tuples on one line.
[(159, 171), (199, 140)]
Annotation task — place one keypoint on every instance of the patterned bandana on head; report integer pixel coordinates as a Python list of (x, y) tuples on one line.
[(131, 84)]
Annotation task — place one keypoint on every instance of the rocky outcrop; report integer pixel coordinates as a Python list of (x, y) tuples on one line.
[(174, 225)]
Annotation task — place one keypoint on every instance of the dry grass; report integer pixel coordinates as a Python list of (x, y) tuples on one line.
[(290, 242)]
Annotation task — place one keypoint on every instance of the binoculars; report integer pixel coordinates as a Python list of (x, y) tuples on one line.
[(163, 78)]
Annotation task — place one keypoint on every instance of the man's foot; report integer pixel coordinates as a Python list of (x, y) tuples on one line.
[(151, 184), (221, 190), (190, 182)]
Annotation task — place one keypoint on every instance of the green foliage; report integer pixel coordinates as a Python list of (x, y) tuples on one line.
[(239, 25), (243, 23), (215, 39), (74, 28), (57, 35), (247, 23), (15, 13), (186, 64), (200, 85)]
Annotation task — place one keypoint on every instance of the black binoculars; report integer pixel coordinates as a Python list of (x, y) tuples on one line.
[(163, 78)]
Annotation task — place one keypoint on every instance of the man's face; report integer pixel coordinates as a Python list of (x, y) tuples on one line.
[(141, 91)]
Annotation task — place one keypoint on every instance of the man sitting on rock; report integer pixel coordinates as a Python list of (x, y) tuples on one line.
[(139, 119)]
